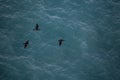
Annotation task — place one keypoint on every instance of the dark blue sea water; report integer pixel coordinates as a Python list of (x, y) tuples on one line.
[(90, 28)]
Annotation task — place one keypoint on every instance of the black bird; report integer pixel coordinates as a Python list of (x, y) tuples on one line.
[(26, 43), (36, 27), (60, 41)]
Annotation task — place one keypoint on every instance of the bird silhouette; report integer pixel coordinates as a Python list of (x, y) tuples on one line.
[(26, 44), (60, 41), (36, 27)]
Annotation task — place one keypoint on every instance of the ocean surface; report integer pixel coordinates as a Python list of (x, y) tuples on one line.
[(90, 28)]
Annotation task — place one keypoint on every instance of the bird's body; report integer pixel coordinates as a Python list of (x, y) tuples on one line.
[(60, 41), (26, 44), (36, 27)]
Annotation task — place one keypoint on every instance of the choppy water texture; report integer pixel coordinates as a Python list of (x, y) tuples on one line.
[(90, 28)]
